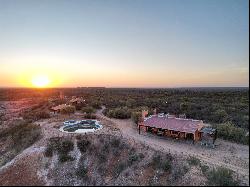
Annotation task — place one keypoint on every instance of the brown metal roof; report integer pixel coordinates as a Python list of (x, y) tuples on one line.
[(59, 107), (176, 124)]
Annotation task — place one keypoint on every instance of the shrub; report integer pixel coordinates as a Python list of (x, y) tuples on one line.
[(141, 155), (221, 177), (229, 132), (82, 171), (193, 161), (178, 171), (133, 158), (25, 135), (20, 135), (65, 157), (163, 164), (42, 115), (83, 145), (136, 117), (66, 146), (88, 110), (96, 105), (63, 147), (68, 110), (54, 143), (115, 142), (102, 157), (166, 165), (156, 161), (90, 116), (119, 113), (204, 168), (120, 167), (48, 152)]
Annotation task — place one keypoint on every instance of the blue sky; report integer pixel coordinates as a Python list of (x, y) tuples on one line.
[(130, 43)]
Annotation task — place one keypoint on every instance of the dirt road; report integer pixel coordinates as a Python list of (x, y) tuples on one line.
[(230, 155)]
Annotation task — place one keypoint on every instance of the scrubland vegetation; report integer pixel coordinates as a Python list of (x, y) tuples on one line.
[(18, 136), (107, 156), (225, 108), (230, 132), (60, 146)]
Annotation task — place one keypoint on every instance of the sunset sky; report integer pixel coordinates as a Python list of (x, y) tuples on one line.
[(124, 43)]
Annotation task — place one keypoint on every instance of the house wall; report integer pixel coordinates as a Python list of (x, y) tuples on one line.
[(182, 134), (197, 135), (170, 133)]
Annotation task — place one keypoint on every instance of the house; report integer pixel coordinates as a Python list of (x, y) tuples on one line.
[(168, 125), (57, 109), (76, 100)]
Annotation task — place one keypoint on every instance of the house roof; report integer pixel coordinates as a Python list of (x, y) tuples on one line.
[(171, 123), (77, 100), (59, 107)]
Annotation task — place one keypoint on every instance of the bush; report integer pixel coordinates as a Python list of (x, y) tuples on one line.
[(66, 146), (65, 157), (68, 110), (102, 157), (42, 115), (115, 142), (83, 145), (166, 165), (48, 152), (82, 171), (88, 110), (178, 171), (25, 135), (141, 155), (96, 105), (193, 161), (63, 147), (156, 161), (119, 113), (136, 117), (90, 116), (20, 135), (221, 177), (163, 164), (133, 158), (35, 115), (120, 167), (229, 132), (54, 143), (204, 168)]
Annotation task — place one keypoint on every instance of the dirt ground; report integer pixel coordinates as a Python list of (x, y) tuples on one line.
[(20, 172), (230, 155)]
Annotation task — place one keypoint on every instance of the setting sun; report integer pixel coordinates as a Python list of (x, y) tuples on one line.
[(40, 81)]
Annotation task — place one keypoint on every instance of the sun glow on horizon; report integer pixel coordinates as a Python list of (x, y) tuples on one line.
[(40, 81)]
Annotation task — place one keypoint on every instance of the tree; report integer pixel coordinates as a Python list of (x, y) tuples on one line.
[(136, 117), (68, 110), (130, 103), (88, 110), (220, 116)]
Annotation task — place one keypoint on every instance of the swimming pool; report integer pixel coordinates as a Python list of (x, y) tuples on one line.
[(83, 126)]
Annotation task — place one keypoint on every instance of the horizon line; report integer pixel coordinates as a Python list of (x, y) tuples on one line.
[(126, 87)]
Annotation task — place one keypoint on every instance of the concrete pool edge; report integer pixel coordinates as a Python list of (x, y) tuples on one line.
[(81, 131)]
